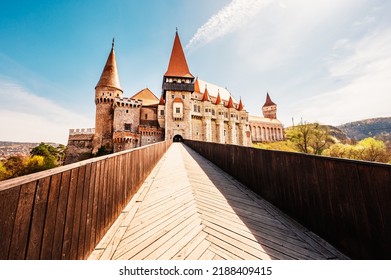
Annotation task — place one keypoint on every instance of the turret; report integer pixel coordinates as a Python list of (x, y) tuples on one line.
[(178, 85), (269, 109), (107, 88), (207, 116)]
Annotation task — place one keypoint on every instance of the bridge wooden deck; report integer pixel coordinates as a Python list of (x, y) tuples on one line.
[(189, 209)]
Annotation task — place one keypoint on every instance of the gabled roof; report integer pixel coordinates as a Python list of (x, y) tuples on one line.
[(109, 76), (268, 102), (206, 97), (177, 67), (147, 97), (178, 100)]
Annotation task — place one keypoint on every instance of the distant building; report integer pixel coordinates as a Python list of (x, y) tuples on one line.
[(188, 108)]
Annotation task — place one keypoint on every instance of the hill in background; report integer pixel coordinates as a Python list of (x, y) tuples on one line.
[(378, 128)]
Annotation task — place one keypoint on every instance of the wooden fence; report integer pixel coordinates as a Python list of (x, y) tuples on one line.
[(346, 202), (63, 213)]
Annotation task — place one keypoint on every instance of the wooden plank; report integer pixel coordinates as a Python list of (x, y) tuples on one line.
[(225, 255), (70, 214), (199, 250), (94, 218), (61, 215), (138, 226), (89, 241), (207, 255), (8, 208), (181, 243), (158, 248), (38, 219), (50, 219), (113, 244), (73, 253), (103, 243), (81, 254), (96, 254), (143, 239), (227, 247), (22, 222)]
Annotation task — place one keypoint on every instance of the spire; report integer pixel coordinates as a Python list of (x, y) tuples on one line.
[(161, 101), (268, 102), (177, 67), (110, 77), (196, 86), (230, 103), (206, 97), (218, 99), (240, 107)]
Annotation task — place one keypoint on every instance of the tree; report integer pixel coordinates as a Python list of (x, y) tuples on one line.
[(4, 174), (310, 138), (48, 152), (372, 150), (14, 166)]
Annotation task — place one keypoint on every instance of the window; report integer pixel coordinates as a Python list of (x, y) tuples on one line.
[(161, 112), (199, 109), (146, 116), (195, 108), (127, 111), (213, 112), (128, 126), (172, 96), (178, 110), (183, 96)]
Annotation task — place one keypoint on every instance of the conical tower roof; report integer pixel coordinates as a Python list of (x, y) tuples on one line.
[(162, 101), (197, 86), (218, 99), (240, 107), (230, 103), (110, 77), (206, 97), (177, 67), (268, 102)]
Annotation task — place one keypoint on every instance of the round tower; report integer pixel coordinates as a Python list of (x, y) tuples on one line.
[(269, 109), (106, 90)]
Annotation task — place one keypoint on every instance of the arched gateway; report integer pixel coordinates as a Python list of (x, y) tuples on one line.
[(178, 138)]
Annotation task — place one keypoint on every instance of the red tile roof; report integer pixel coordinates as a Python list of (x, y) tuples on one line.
[(230, 103), (240, 107), (177, 67), (268, 102), (206, 97), (218, 99)]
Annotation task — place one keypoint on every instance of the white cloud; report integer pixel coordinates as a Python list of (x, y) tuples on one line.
[(229, 19), (367, 91), (27, 117)]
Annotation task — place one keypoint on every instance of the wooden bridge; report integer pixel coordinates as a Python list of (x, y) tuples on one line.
[(166, 201), (190, 209)]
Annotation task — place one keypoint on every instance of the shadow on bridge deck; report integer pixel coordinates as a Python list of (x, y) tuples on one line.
[(190, 209)]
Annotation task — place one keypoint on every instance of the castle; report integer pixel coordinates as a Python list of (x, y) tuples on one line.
[(188, 108)]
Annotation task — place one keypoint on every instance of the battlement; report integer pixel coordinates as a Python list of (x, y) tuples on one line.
[(79, 131), (127, 102)]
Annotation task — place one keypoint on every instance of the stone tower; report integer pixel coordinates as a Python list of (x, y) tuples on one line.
[(178, 84), (269, 109), (106, 90)]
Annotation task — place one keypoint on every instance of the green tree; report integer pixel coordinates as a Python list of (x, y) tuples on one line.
[(372, 150), (48, 152), (14, 166), (34, 164), (4, 174), (310, 138)]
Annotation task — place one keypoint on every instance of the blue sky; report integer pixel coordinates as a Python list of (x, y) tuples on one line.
[(326, 61)]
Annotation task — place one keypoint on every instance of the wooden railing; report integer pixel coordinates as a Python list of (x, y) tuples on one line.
[(63, 213), (346, 202)]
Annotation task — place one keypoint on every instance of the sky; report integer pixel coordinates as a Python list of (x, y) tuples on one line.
[(327, 61)]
